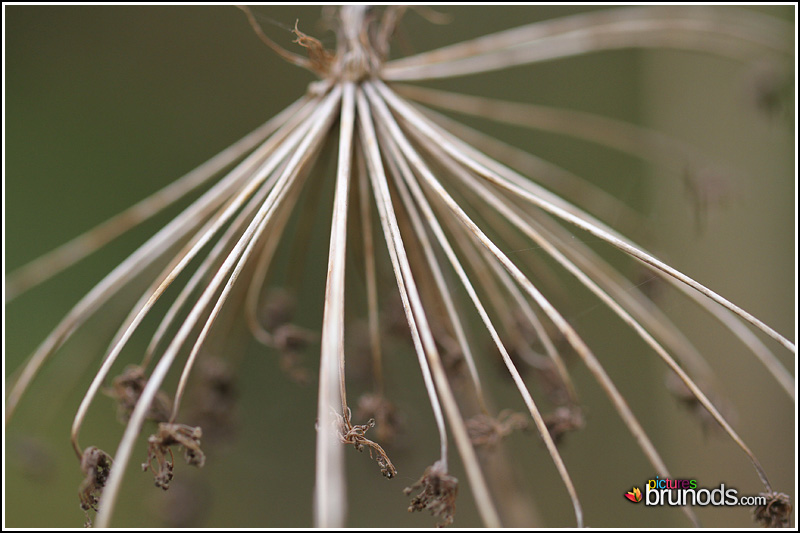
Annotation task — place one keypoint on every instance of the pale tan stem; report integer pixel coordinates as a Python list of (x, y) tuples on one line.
[(177, 265), (402, 174), (570, 334), (122, 457), (561, 181), (416, 162), (330, 489), (735, 34), (430, 361), (370, 271), (66, 255), (510, 180), (631, 139)]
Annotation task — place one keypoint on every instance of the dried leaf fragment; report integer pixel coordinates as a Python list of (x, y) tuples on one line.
[(159, 447), (439, 491)]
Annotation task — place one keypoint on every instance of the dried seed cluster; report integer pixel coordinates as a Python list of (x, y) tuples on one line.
[(488, 431), (159, 447), (438, 495), (776, 512), (95, 465), (126, 389)]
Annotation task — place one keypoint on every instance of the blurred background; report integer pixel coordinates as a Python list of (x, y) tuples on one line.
[(106, 105)]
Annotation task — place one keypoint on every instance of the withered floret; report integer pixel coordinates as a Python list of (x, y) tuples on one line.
[(354, 434), (214, 399), (563, 420), (96, 466), (387, 420), (775, 512), (159, 447), (488, 431), (690, 402), (127, 388), (439, 491)]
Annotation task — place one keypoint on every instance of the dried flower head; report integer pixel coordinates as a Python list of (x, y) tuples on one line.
[(482, 245), (439, 491), (563, 420), (159, 447), (214, 399), (95, 465), (388, 422), (776, 512), (488, 431), (126, 389)]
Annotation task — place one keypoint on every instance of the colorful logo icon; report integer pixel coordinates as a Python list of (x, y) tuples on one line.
[(635, 495)]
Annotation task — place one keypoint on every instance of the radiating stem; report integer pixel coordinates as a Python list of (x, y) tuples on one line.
[(329, 491)]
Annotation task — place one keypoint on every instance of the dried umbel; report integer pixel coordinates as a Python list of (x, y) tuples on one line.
[(441, 214)]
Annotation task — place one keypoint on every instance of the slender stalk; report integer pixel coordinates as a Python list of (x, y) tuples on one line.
[(402, 174), (423, 339), (242, 250), (69, 253), (177, 265), (370, 271), (416, 162), (735, 34), (330, 489), (499, 175)]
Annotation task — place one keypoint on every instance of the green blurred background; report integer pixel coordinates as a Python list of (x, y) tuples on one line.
[(105, 105)]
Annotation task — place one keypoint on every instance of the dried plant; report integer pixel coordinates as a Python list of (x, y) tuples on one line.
[(776, 512), (439, 491), (436, 212), (159, 446)]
